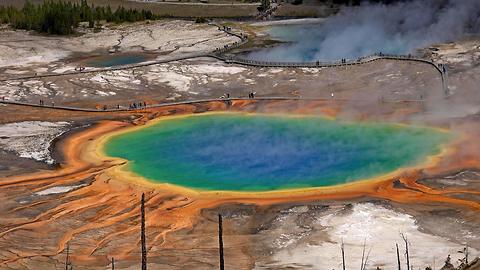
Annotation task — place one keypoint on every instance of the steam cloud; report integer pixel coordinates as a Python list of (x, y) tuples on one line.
[(397, 28)]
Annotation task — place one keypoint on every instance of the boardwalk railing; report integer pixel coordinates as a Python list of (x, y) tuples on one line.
[(322, 64), (219, 54), (243, 39), (340, 63)]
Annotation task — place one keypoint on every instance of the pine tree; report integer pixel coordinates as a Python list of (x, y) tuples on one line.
[(61, 18)]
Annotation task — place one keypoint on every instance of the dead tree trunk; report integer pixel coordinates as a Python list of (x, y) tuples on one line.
[(406, 251), (466, 254), (363, 254), (113, 263), (343, 255), (142, 234), (398, 259), (220, 242), (366, 259), (67, 260)]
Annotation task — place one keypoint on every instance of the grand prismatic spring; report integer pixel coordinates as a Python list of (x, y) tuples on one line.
[(243, 152)]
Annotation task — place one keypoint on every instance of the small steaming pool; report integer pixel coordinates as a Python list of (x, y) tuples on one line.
[(369, 28), (311, 42), (114, 60), (241, 152)]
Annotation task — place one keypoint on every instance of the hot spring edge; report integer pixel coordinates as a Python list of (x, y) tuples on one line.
[(251, 152)]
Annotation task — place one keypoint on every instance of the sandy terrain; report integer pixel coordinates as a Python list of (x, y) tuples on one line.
[(31, 139)]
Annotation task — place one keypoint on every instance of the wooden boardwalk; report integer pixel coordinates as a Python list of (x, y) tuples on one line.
[(189, 102)]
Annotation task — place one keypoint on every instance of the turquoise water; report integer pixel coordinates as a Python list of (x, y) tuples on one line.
[(385, 26), (260, 153), (117, 60), (312, 42)]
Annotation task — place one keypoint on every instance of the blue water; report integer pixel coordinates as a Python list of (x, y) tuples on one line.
[(117, 60), (311, 42), (258, 153)]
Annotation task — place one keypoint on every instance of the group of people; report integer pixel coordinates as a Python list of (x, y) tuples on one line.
[(267, 13), (135, 105), (225, 28), (227, 95), (42, 103), (131, 106), (141, 104), (235, 44)]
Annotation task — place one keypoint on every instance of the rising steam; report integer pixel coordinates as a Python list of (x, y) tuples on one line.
[(398, 28)]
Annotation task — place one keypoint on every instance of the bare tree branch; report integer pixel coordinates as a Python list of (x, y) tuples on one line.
[(406, 250)]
